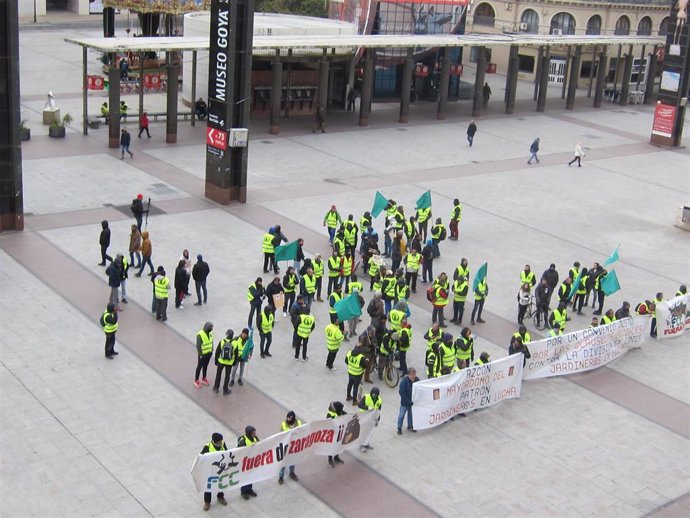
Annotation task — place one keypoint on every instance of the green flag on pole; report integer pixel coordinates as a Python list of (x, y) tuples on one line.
[(610, 284), (575, 286), (480, 276), (287, 252), (612, 258), (424, 201), (380, 203), (348, 307)]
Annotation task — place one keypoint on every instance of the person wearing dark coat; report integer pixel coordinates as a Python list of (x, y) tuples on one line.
[(551, 277), (200, 272), (471, 130), (516, 346), (180, 284), (104, 241)]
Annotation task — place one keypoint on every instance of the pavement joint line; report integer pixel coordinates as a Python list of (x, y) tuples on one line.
[(176, 385), (634, 178), (662, 507), (74, 437), (344, 159), (595, 125)]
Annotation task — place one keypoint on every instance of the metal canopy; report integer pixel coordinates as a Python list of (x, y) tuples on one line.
[(263, 43)]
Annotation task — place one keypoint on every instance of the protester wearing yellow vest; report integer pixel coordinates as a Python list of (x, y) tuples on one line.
[(371, 401), (460, 289), (318, 267), (455, 217), (464, 348), (225, 359), (335, 297), (433, 335), (334, 271), (335, 409), (161, 287), (356, 363), (581, 292), (307, 287), (397, 315), (334, 337), (255, 296), (266, 322), (608, 317), (412, 262), (527, 276), (241, 356), (485, 358), (204, 351), (291, 422), (331, 221), (423, 216), (269, 241), (480, 295), (441, 291), (558, 317), (523, 335), (300, 338), (404, 344), (339, 243), (216, 444), (290, 282), (347, 264), (351, 231), (247, 439), (432, 361), (109, 325), (438, 234)]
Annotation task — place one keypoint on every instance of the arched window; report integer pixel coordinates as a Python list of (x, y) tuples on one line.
[(622, 26), (644, 28), (563, 23), (484, 14), (594, 25), (529, 21), (664, 25)]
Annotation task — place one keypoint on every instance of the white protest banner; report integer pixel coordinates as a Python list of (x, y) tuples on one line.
[(223, 470), (585, 349), (672, 317), (438, 399)]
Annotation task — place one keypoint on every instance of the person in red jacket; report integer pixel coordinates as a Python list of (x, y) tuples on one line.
[(144, 124)]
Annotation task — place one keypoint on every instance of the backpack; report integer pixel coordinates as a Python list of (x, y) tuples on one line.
[(102, 320), (431, 294), (443, 234), (226, 351)]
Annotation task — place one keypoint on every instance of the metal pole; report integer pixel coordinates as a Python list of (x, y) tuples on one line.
[(193, 103), (601, 78), (566, 73), (84, 94), (537, 73), (544, 80), (618, 64), (406, 87), (443, 87), (141, 83), (591, 71), (639, 68), (511, 80)]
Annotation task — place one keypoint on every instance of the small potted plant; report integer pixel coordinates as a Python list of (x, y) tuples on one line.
[(57, 128), (24, 132)]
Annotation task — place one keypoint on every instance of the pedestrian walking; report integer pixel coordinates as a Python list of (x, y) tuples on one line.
[(144, 124), (125, 140), (405, 391), (579, 153), (371, 401), (109, 325), (320, 120), (104, 242), (114, 279), (124, 274), (217, 444), (242, 352), (291, 422), (135, 246), (534, 149), (137, 209), (248, 439), (331, 221), (161, 287), (351, 98), (486, 94), (335, 409), (146, 252), (200, 273), (180, 278), (204, 351), (224, 359), (471, 130)]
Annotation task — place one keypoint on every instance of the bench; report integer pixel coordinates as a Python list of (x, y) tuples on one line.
[(135, 116)]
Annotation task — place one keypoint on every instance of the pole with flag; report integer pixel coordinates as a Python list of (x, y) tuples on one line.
[(424, 201), (480, 276), (348, 307), (286, 252), (575, 286), (610, 284), (612, 258), (380, 203)]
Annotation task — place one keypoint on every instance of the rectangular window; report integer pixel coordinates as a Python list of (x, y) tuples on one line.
[(526, 63), (586, 70)]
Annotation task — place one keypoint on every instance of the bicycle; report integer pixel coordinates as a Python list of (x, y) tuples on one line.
[(536, 314), (387, 370)]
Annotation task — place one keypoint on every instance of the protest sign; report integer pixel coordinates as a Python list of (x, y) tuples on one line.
[(672, 317)]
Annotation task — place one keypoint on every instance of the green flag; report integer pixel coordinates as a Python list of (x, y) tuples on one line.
[(424, 201), (380, 203), (576, 285), (286, 252), (348, 307), (480, 276), (610, 284), (612, 258)]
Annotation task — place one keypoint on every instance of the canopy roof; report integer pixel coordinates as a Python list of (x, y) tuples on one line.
[(327, 42)]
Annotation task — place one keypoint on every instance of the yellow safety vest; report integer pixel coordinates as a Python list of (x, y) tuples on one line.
[(221, 359), (305, 326), (238, 345), (606, 320), (353, 364), (339, 246), (332, 219), (250, 297), (285, 427), (267, 323), (480, 293), (456, 213), (525, 339), (289, 286), (334, 337), (373, 268), (436, 231), (318, 268), (464, 272), (441, 301), (402, 292), (582, 288), (396, 317), (350, 233), (405, 331), (352, 286), (433, 338), (336, 298), (413, 261), (389, 284), (464, 351), (364, 223), (560, 317), (370, 404), (447, 354), (334, 266), (161, 286), (310, 284), (423, 214), (206, 342), (267, 243), (347, 266), (212, 448), (527, 278), (109, 328), (460, 291)]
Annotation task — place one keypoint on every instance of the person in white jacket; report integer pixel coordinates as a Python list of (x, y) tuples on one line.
[(578, 155)]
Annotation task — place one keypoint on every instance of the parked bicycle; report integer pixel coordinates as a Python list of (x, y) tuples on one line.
[(386, 370)]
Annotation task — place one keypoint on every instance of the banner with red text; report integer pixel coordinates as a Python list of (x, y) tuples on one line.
[(224, 470), (585, 349), (672, 317), (438, 399)]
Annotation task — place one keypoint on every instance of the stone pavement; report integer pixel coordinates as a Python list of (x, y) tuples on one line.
[(116, 438)]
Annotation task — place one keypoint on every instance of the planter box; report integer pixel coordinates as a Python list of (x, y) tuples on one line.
[(25, 134), (58, 132), (50, 115)]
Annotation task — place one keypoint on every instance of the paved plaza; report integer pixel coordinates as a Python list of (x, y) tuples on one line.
[(85, 436)]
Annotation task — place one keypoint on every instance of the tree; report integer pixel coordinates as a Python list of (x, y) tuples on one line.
[(302, 7)]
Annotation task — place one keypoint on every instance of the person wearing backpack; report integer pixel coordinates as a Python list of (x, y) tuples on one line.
[(428, 262), (441, 290), (137, 209), (224, 359), (241, 351), (438, 234)]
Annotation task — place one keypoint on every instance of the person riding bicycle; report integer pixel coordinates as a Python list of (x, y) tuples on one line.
[(387, 349)]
